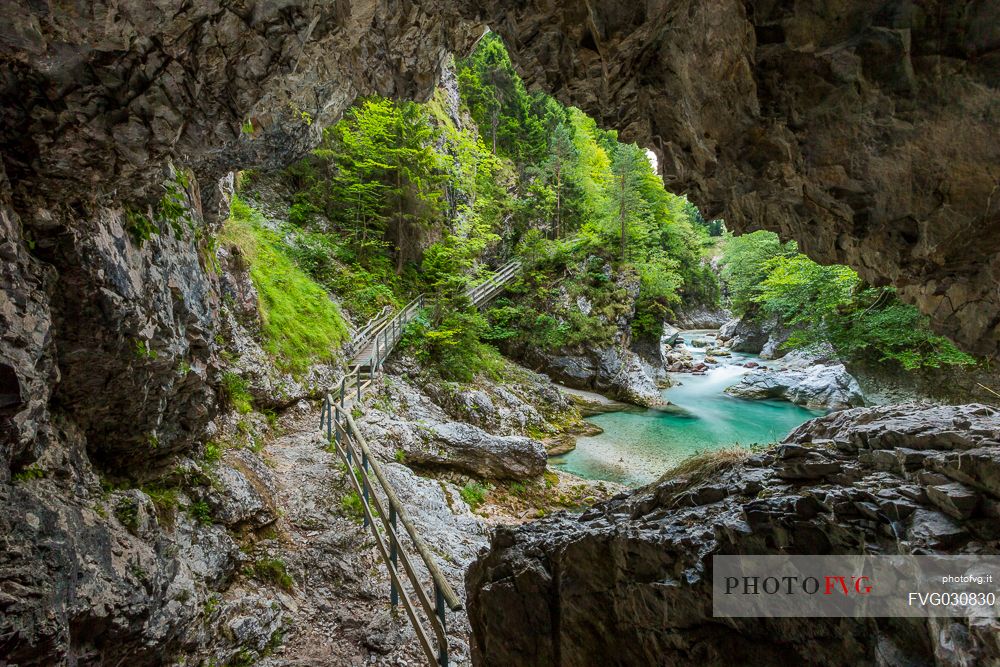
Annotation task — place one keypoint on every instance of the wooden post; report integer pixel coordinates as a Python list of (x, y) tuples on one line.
[(439, 607), (364, 480), (393, 546)]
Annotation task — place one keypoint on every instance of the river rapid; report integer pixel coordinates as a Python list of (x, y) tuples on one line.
[(637, 446)]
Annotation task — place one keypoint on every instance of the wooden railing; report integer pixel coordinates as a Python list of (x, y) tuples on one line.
[(343, 434), (373, 352), (384, 338), (351, 446), (486, 290), (362, 335)]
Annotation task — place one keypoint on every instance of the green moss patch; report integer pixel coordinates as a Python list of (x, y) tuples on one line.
[(300, 324)]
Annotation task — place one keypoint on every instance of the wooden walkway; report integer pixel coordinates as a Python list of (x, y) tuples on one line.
[(485, 291), (382, 508)]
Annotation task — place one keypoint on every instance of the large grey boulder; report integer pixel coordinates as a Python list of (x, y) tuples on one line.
[(471, 450), (912, 426), (750, 334), (242, 491), (623, 375), (616, 371), (702, 317), (575, 371), (821, 353), (417, 425), (727, 330), (773, 347), (815, 387)]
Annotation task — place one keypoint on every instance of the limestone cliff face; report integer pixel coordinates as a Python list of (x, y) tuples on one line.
[(98, 98)]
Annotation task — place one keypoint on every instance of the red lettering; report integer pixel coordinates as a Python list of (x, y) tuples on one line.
[(831, 584)]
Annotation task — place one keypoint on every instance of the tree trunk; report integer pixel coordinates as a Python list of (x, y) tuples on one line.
[(558, 199), (399, 222), (359, 226), (494, 123), (621, 214)]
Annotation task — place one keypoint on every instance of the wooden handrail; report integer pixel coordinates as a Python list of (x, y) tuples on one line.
[(492, 285), (364, 333), (390, 554), (342, 431), (449, 595)]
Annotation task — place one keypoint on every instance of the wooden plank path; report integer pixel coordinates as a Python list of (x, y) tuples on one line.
[(485, 291), (373, 344), (383, 338)]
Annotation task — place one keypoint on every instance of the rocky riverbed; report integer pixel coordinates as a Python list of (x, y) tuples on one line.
[(717, 397)]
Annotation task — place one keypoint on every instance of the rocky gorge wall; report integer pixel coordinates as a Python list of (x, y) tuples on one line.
[(863, 130)]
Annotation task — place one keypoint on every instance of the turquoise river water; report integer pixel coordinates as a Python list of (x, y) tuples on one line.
[(638, 446)]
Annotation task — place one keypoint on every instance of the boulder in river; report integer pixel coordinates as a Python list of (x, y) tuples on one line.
[(815, 387), (773, 347), (615, 371), (727, 330), (621, 374), (702, 317)]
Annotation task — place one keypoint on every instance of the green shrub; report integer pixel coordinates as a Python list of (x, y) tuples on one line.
[(127, 512), (831, 304), (165, 501), (474, 494), (352, 507), (143, 350), (201, 512), (163, 498), (273, 571), (213, 452), (236, 392), (210, 605), (29, 473), (140, 227)]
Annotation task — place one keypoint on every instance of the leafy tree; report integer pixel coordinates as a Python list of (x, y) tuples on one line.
[(627, 168), (831, 304), (562, 156), (500, 103), (745, 265)]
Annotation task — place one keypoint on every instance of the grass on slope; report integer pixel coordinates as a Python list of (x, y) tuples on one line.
[(300, 324)]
